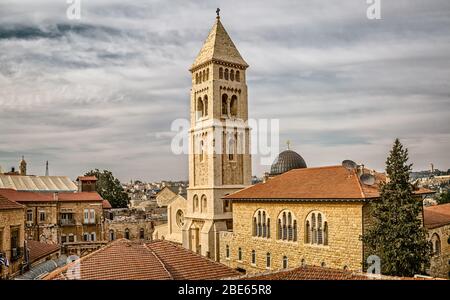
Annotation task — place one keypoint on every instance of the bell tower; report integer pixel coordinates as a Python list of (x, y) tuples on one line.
[(219, 141)]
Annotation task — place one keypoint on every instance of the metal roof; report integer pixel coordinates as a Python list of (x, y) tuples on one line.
[(37, 183)]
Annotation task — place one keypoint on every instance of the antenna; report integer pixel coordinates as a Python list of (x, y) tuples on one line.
[(367, 179), (349, 164)]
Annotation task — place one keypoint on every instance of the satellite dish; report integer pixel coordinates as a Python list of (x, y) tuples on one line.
[(349, 164), (367, 179)]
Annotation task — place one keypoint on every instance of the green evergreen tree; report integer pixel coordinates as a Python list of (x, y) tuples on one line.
[(397, 235), (110, 188)]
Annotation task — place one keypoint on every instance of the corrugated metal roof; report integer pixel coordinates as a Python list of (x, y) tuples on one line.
[(38, 183)]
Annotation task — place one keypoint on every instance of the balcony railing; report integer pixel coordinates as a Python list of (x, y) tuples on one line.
[(16, 253), (67, 222)]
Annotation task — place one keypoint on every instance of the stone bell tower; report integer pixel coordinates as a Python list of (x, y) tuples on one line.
[(219, 141)]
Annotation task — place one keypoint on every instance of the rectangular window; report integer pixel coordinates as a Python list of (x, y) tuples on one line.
[(29, 215), (86, 216), (63, 238), (15, 243), (86, 237), (93, 237), (92, 216), (42, 216), (71, 238)]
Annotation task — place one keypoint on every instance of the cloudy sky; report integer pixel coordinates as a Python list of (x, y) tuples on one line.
[(102, 91)]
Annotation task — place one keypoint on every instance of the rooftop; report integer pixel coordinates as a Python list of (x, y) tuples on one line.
[(6, 203), (37, 183), (49, 197), (436, 215), (160, 259), (319, 183), (40, 250)]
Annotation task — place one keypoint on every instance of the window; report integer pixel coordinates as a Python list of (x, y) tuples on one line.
[(204, 76), (205, 106), (196, 78), (86, 216), (285, 262), (268, 260), (231, 149), (15, 242), (92, 216), (436, 244), (202, 152), (253, 257), (141, 233), (63, 238), (226, 74), (220, 73), (261, 224), (86, 237), (204, 204), (224, 105), (238, 77), (316, 229), (127, 234), (180, 218), (207, 74), (93, 236), (71, 238), (240, 254), (232, 75), (227, 251), (42, 216), (29, 215), (227, 206), (287, 226), (195, 203), (233, 106), (200, 108), (111, 235)]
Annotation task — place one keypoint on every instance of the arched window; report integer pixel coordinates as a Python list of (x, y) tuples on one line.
[(316, 231), (268, 260), (196, 78), (224, 105), (199, 77), (231, 148), (220, 73), (200, 108), (204, 203), (141, 233), (261, 224), (207, 74), (232, 75), (127, 234), (202, 151), (204, 76), (436, 244), (233, 106), (226, 74), (253, 257), (205, 106), (111, 235), (285, 262), (195, 203), (240, 254), (238, 77), (287, 226), (227, 251)]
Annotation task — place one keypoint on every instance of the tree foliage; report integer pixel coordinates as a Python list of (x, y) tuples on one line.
[(444, 197), (110, 188), (397, 235)]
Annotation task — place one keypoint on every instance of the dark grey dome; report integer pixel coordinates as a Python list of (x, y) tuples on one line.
[(287, 160)]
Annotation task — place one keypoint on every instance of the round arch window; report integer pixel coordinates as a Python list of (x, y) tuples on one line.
[(180, 218)]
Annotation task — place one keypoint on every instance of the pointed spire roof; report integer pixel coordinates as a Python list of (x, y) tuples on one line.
[(219, 46)]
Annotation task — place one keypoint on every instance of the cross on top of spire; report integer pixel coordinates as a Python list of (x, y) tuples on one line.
[(218, 13)]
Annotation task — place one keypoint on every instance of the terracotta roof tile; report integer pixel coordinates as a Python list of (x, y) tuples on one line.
[(331, 182), (123, 259), (6, 203), (19, 196), (106, 204), (87, 178), (436, 215), (40, 250)]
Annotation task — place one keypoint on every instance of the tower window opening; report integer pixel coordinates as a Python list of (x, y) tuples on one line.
[(226, 74), (220, 73)]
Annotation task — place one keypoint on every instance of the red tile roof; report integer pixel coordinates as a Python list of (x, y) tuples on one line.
[(106, 204), (332, 182), (123, 259), (6, 203), (320, 273), (19, 196), (436, 215), (40, 250)]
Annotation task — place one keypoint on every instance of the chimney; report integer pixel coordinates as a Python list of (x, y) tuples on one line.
[(55, 196)]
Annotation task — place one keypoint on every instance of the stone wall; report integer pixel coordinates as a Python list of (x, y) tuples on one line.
[(10, 219), (440, 263), (344, 247)]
